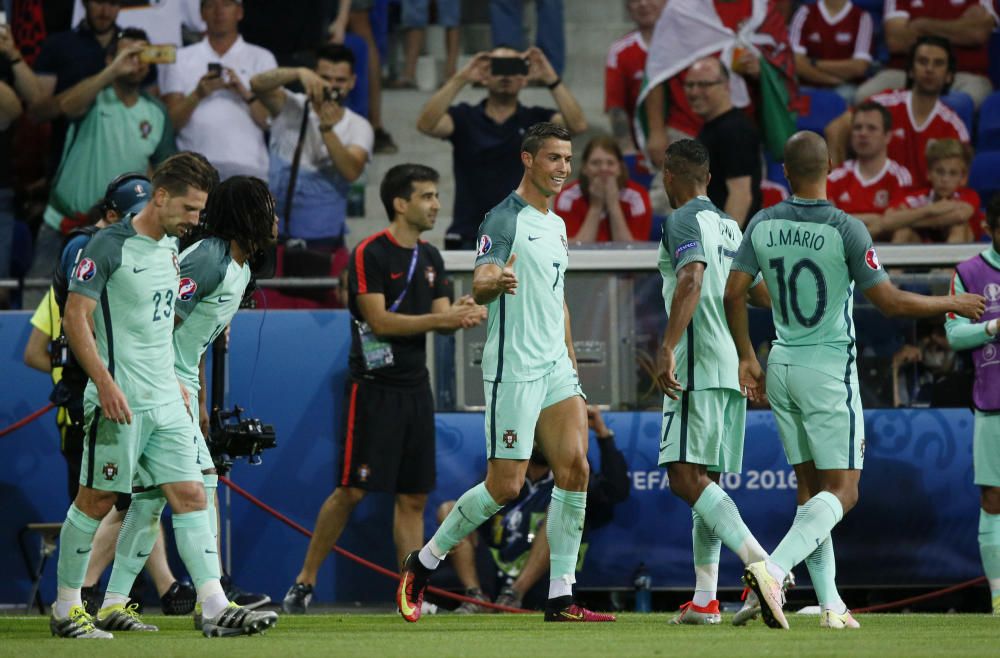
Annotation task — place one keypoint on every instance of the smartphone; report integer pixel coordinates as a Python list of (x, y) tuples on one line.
[(162, 54), (215, 68), (508, 66)]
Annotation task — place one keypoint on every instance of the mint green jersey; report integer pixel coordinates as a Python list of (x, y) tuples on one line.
[(699, 232), (134, 280), (811, 255), (526, 332), (109, 140), (211, 289)]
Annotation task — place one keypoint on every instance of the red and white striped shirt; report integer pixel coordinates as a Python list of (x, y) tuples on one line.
[(847, 188), (816, 33), (908, 145)]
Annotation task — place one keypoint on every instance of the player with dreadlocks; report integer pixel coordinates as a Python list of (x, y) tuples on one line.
[(239, 223)]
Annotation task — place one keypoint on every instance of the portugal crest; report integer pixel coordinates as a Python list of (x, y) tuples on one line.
[(510, 438), (110, 471)]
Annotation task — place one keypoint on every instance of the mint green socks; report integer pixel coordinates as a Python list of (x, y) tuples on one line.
[(197, 547), (811, 527), (989, 549), (470, 511), (822, 566), (135, 540), (564, 526), (706, 546), (75, 542), (211, 486), (722, 517)]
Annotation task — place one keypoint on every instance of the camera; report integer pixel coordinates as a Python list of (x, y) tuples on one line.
[(214, 68), (332, 94), (508, 66), (231, 437)]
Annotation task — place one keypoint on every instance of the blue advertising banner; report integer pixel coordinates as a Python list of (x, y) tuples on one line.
[(915, 524)]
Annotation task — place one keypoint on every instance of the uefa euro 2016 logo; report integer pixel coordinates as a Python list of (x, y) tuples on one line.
[(992, 294), (186, 290), (86, 270)]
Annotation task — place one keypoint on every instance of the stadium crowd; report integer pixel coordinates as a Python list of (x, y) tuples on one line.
[(94, 91)]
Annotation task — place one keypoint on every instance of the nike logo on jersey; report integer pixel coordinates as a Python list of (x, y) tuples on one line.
[(137, 270), (396, 275), (532, 238), (211, 552), (82, 552), (141, 554), (223, 300)]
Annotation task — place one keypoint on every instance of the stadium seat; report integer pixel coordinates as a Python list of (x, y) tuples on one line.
[(824, 106), (963, 106), (984, 177), (988, 132)]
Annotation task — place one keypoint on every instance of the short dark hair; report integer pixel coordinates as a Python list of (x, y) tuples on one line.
[(336, 53), (688, 159), (131, 33), (398, 184), (538, 133), (183, 170), (872, 106), (241, 208), (939, 42), (993, 212)]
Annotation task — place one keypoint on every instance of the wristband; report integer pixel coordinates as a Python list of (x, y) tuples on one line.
[(556, 83), (992, 327), (325, 127)]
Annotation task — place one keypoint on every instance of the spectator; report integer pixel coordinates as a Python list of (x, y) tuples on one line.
[(398, 292), (17, 83), (832, 40), (516, 535), (163, 22), (336, 144), (751, 37), (731, 138), (486, 138), (966, 24), (603, 205), (116, 128), (66, 59), (414, 22), (864, 186), (946, 210), (507, 28), (208, 98), (624, 71), (359, 22)]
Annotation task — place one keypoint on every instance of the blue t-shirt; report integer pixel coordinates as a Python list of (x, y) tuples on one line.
[(487, 161)]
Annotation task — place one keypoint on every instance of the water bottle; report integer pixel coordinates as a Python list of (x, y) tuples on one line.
[(643, 593)]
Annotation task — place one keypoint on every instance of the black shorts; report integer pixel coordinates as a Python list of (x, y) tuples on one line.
[(388, 439)]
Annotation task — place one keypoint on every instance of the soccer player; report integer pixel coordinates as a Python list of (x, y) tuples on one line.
[(529, 369), (135, 412), (982, 273), (812, 255), (215, 271), (704, 411)]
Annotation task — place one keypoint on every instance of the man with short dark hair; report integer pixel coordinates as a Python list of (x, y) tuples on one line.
[(530, 376), (486, 138), (336, 145), (865, 186), (116, 127), (138, 424), (398, 291), (731, 138), (811, 256), (704, 411)]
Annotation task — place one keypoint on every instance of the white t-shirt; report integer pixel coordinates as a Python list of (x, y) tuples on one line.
[(221, 127), (161, 19), (320, 204)]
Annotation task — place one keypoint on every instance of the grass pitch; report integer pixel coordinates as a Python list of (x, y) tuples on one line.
[(525, 636)]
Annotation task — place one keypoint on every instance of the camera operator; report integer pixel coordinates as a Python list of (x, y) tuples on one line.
[(315, 155)]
